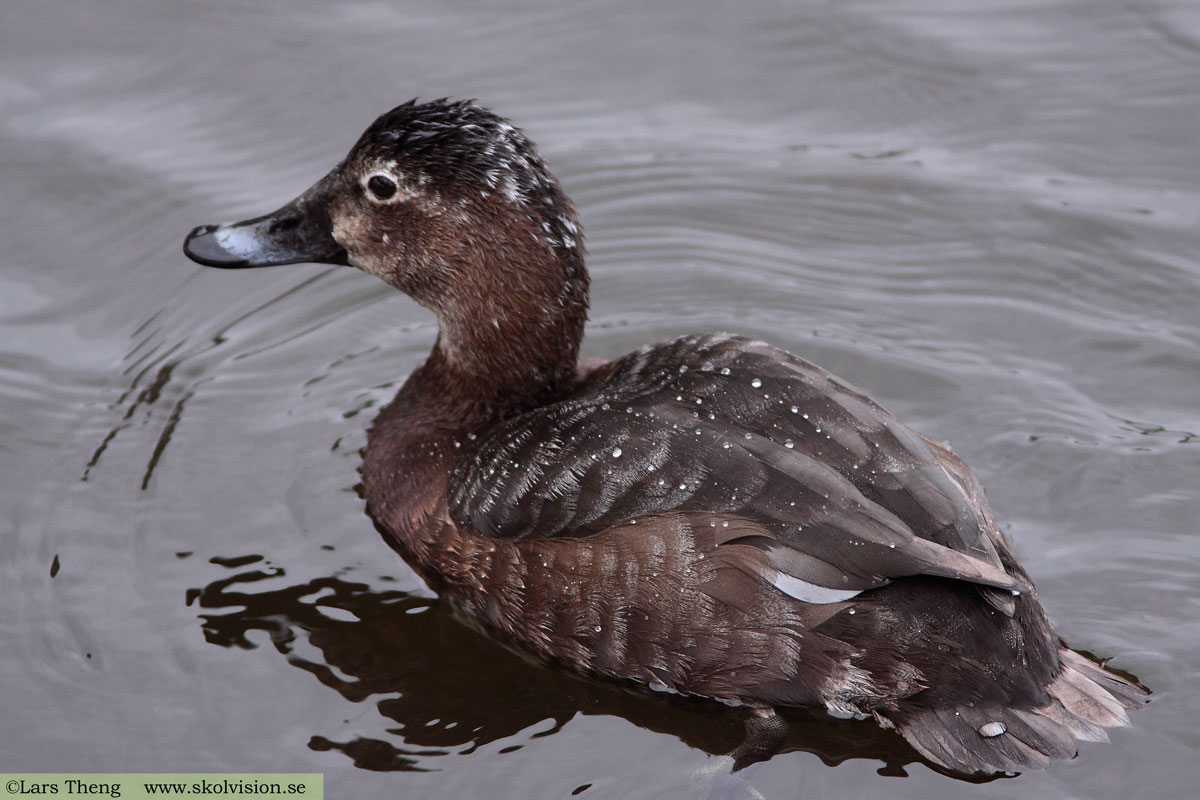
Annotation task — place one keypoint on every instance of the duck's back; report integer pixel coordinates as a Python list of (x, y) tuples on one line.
[(838, 495), (714, 516)]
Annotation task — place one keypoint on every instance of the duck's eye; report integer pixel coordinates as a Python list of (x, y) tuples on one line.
[(382, 187)]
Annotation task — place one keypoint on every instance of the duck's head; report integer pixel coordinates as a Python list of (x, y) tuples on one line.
[(453, 206)]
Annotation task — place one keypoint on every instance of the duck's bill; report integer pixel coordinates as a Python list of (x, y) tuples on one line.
[(297, 233)]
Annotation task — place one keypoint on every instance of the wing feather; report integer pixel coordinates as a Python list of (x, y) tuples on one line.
[(807, 477)]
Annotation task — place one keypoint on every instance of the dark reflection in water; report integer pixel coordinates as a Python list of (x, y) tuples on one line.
[(450, 689)]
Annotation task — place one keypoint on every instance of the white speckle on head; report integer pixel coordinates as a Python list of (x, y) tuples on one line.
[(509, 187)]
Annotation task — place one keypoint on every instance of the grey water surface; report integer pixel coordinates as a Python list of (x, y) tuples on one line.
[(986, 214)]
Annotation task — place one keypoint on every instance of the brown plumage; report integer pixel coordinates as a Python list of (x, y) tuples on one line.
[(709, 516)]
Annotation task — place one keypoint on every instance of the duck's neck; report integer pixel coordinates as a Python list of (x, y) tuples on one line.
[(507, 342), (510, 323), (508, 337)]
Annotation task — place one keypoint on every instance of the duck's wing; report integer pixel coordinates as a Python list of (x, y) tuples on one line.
[(810, 485)]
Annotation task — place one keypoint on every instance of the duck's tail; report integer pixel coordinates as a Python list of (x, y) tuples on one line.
[(1084, 698)]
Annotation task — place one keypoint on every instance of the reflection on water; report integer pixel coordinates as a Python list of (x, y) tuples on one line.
[(444, 688)]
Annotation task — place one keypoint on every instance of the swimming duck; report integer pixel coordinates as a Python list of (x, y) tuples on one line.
[(710, 516)]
